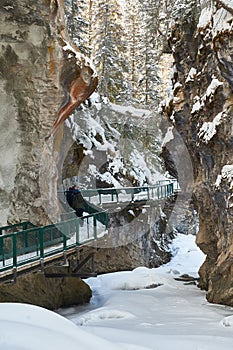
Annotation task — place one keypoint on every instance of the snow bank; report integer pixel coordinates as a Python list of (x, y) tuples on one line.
[(187, 258), (28, 327), (173, 316), (139, 278), (103, 314), (227, 321)]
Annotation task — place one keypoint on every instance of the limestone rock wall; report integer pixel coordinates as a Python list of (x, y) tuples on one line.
[(38, 68), (30, 93), (137, 236), (201, 110), (39, 83)]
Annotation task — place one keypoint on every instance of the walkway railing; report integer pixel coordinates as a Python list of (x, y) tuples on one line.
[(151, 192), (39, 243), (23, 243), (16, 227)]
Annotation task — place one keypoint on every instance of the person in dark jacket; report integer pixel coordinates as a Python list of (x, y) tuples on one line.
[(78, 203), (69, 196)]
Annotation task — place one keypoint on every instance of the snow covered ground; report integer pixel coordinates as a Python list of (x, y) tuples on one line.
[(144, 309), (131, 315)]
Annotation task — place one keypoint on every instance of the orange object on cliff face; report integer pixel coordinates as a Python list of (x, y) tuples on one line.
[(79, 90)]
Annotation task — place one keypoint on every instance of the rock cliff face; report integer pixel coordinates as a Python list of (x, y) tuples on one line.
[(138, 236), (111, 148), (39, 74), (50, 293), (201, 110), (119, 146), (30, 61)]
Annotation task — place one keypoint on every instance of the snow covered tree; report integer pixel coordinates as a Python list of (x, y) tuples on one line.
[(78, 25), (109, 49), (151, 50), (147, 38), (134, 48), (125, 39)]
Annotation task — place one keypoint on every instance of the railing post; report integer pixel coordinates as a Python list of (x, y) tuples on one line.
[(172, 188), (14, 257), (14, 250), (37, 237), (25, 239), (2, 250), (95, 226), (64, 242), (77, 231), (88, 228), (41, 233), (132, 195)]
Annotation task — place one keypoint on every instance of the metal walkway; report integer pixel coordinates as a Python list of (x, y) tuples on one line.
[(24, 246), (162, 189)]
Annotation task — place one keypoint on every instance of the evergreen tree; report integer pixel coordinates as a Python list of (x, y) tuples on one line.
[(125, 43), (134, 48), (78, 26), (109, 49), (152, 49)]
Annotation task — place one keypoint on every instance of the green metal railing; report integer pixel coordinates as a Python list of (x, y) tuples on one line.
[(16, 227), (164, 188), (34, 244), (24, 243)]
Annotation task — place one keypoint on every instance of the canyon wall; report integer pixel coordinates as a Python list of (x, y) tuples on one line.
[(43, 77), (30, 66), (201, 111), (39, 75)]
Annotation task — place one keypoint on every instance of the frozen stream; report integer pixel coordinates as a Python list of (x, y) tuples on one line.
[(127, 312)]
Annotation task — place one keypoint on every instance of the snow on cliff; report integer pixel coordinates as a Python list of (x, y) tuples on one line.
[(127, 140)]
